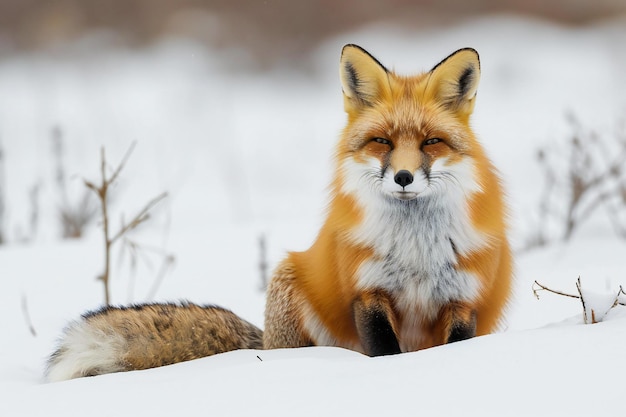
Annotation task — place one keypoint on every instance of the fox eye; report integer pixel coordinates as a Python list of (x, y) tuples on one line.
[(432, 141), (382, 141)]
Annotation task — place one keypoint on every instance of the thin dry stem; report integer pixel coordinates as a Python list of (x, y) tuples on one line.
[(591, 176), (26, 314), (580, 296), (263, 264), (582, 300), (74, 216), (544, 288), (121, 165), (166, 265), (140, 217), (620, 292), (102, 193)]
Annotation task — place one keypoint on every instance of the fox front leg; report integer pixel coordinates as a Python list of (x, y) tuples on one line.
[(459, 322), (375, 323)]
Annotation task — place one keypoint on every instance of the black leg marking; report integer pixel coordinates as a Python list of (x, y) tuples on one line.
[(461, 330), (376, 334)]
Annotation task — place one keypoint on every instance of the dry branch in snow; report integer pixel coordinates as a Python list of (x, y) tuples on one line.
[(582, 176), (27, 318), (595, 306), (74, 215), (263, 263), (102, 193)]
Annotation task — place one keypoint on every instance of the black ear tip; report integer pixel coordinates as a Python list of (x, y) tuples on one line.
[(474, 51), (350, 46), (471, 50), (468, 49)]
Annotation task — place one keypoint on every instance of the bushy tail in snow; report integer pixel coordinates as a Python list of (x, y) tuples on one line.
[(115, 339)]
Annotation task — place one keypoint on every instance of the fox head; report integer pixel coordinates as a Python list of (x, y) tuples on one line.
[(408, 137)]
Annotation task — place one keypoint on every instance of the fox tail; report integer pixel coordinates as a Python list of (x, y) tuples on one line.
[(116, 339)]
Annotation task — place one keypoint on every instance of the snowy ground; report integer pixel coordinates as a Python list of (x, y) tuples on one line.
[(243, 154)]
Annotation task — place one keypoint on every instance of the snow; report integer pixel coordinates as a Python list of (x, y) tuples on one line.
[(597, 305), (243, 154)]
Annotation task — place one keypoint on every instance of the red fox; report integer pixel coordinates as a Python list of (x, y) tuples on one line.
[(413, 253)]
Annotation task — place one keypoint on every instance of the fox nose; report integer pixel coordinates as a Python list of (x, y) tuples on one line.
[(403, 178)]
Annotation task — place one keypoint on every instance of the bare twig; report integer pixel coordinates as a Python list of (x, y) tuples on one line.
[(582, 300), (580, 296), (58, 151), (620, 292), (73, 216), (140, 217), (33, 196), (121, 165), (614, 216), (168, 262), (144, 252), (587, 173), (132, 248), (102, 193), (26, 314), (263, 264), (544, 288)]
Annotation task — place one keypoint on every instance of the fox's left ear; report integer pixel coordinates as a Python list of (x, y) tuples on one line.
[(364, 80), (454, 81)]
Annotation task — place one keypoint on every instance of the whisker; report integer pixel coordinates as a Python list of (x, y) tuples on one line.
[(372, 179), (446, 179)]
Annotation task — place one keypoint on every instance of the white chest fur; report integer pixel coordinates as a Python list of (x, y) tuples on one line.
[(416, 247), (417, 244)]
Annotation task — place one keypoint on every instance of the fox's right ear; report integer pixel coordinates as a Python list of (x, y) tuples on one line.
[(454, 81), (364, 80)]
